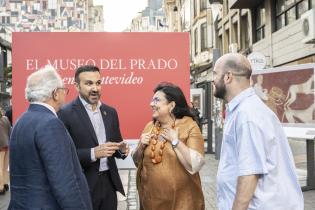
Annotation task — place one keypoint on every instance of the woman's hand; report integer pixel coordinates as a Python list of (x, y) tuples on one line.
[(144, 141), (170, 134), (145, 138)]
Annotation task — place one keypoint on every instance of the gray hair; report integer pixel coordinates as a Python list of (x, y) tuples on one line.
[(42, 83)]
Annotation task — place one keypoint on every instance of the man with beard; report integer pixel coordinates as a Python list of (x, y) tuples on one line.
[(256, 169), (94, 128)]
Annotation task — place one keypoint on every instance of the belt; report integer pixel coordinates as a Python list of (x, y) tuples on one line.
[(100, 173)]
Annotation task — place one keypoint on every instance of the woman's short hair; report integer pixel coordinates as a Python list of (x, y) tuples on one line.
[(42, 83), (174, 93)]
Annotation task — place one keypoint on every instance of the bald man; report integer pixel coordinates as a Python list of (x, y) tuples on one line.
[(256, 169)]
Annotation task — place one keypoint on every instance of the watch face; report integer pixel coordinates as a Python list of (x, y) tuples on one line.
[(175, 142)]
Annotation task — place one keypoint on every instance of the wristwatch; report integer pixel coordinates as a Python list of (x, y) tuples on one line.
[(175, 143)]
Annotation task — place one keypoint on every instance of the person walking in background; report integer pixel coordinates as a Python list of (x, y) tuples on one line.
[(170, 155), (256, 169), (94, 128), (44, 168), (196, 113), (4, 152), (8, 114)]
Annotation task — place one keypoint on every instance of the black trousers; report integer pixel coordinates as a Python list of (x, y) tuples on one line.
[(104, 195)]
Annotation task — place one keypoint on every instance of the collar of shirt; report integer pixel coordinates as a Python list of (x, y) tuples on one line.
[(239, 98), (47, 106), (89, 106)]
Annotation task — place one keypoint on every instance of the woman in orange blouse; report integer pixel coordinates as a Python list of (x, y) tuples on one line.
[(170, 154)]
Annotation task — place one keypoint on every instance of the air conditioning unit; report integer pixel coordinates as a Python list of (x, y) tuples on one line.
[(233, 48), (308, 26)]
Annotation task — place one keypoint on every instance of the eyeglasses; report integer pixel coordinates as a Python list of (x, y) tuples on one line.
[(155, 100), (66, 90), (214, 74)]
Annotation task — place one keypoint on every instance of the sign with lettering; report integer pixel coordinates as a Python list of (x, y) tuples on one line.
[(131, 65), (257, 60)]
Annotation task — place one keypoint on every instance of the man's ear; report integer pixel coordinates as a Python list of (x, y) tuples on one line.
[(55, 95), (77, 86), (228, 77)]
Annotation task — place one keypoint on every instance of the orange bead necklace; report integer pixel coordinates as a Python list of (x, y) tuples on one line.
[(157, 158)]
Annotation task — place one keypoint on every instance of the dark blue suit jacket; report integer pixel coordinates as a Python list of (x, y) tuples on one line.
[(44, 168), (79, 125)]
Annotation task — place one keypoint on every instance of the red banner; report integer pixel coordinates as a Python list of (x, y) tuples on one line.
[(131, 64)]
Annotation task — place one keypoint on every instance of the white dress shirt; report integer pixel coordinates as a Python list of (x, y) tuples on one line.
[(254, 143), (99, 129), (47, 106)]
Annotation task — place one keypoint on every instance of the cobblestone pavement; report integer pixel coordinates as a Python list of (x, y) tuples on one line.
[(208, 178)]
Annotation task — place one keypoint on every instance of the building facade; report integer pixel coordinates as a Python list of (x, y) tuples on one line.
[(271, 27), (151, 19), (197, 19), (5, 65), (51, 15), (276, 29), (44, 16)]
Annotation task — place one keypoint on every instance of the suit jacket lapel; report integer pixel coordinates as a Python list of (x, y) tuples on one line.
[(106, 121), (80, 109)]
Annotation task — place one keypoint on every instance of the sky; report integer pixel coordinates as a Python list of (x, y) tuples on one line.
[(119, 13)]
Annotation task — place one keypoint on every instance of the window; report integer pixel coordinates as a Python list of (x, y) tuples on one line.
[(195, 8), (220, 43), (204, 40), (203, 5), (44, 5), (234, 32), (196, 41), (287, 11), (226, 40), (245, 32), (225, 7), (53, 13), (302, 7), (14, 13), (260, 22)]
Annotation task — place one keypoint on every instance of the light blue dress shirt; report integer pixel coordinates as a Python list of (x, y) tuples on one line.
[(99, 129), (255, 143)]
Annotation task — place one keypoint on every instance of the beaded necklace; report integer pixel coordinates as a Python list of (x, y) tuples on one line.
[(157, 158)]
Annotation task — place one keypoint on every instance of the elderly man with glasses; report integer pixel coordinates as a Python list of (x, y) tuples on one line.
[(45, 171)]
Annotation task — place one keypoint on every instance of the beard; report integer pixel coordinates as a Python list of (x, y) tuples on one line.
[(92, 98), (220, 90)]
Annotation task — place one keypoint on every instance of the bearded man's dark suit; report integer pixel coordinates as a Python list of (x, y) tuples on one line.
[(78, 123)]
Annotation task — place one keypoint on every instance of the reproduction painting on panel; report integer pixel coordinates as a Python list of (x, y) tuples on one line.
[(289, 92)]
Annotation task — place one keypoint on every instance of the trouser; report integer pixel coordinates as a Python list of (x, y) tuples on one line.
[(4, 162), (104, 195)]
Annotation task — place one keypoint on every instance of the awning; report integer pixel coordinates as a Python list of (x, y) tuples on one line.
[(5, 44), (244, 4)]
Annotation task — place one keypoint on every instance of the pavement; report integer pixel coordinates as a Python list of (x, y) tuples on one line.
[(208, 178)]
